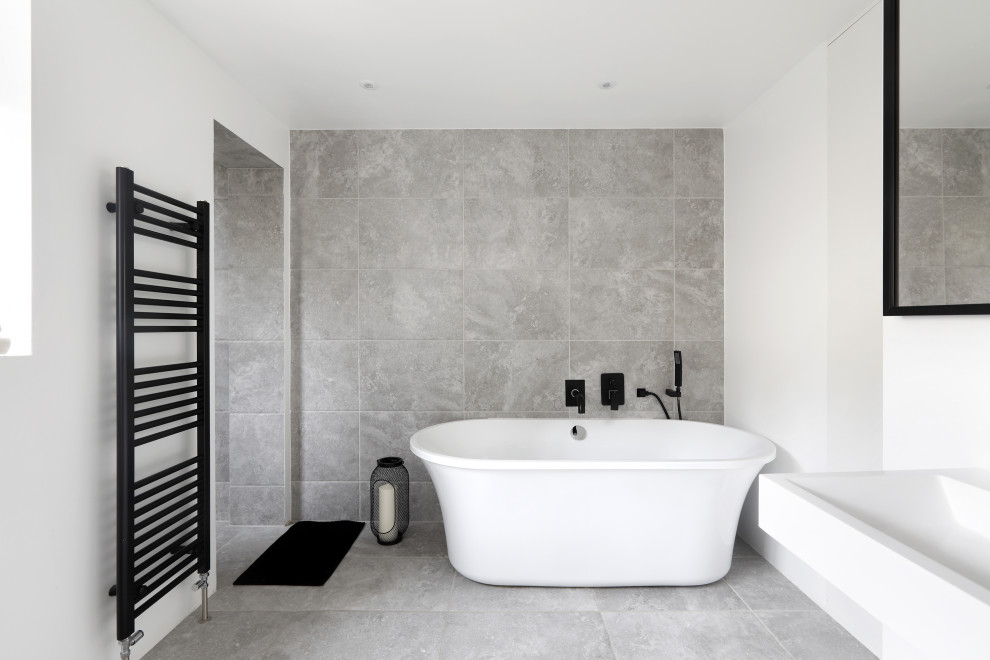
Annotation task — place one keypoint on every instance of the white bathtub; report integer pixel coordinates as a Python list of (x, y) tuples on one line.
[(637, 502), (912, 548)]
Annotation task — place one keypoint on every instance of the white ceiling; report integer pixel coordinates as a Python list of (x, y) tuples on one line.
[(508, 63)]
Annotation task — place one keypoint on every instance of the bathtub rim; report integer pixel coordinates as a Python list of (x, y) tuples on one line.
[(791, 482), (767, 455), (812, 528)]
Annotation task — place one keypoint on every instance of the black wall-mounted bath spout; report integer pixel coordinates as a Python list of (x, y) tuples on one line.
[(574, 394)]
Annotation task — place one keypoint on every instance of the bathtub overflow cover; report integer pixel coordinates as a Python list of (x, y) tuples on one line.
[(578, 433)]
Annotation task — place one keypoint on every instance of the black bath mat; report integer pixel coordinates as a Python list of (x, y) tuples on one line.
[(305, 556)]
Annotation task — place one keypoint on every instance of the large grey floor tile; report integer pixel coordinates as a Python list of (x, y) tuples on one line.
[(399, 584), (422, 539), (225, 532), (266, 598), (360, 635), (762, 587), (241, 635), (709, 597), (701, 635), (471, 596), (517, 635), (393, 601), (814, 636)]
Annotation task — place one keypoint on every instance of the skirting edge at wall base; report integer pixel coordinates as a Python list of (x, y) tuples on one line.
[(860, 623)]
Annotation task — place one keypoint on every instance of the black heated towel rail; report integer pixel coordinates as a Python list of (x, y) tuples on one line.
[(163, 519)]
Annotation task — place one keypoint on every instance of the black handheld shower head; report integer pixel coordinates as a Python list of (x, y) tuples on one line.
[(676, 390)]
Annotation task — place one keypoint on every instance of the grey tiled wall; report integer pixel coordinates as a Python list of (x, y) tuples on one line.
[(445, 274), (944, 216), (250, 445)]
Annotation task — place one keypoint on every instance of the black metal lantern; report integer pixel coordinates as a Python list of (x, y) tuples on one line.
[(389, 500)]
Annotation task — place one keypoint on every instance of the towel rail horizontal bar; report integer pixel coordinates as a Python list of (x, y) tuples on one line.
[(163, 546), (165, 224), (162, 421), (161, 474), (165, 237), (166, 539), (144, 371), (158, 529), (168, 316), (164, 302), (161, 574), (165, 575), (167, 328), (167, 394), (154, 288), (168, 548), (164, 434), (163, 500), (144, 412), (158, 515), (165, 198), (151, 492), (144, 384), (164, 211), (167, 277), (151, 591), (138, 611)]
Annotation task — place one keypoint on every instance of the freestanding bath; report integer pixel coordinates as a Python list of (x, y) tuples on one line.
[(635, 502)]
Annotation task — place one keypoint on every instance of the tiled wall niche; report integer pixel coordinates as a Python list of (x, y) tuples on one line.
[(249, 348), (447, 274), (944, 216)]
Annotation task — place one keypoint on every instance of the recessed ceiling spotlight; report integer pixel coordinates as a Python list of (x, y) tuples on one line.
[(607, 84), (369, 85)]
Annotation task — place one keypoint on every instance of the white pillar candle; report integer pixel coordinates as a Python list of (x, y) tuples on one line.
[(387, 529)]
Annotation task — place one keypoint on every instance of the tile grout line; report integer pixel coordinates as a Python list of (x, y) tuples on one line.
[(463, 295), (570, 368), (608, 635), (758, 619), (539, 197), (941, 202), (360, 159), (673, 192)]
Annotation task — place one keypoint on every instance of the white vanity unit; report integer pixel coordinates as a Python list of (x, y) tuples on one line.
[(912, 548)]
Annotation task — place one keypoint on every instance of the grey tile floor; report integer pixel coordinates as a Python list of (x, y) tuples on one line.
[(406, 601)]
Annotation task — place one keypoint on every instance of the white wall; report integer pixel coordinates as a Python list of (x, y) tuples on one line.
[(15, 176), (803, 337), (936, 392), (855, 246), (776, 267), (114, 84)]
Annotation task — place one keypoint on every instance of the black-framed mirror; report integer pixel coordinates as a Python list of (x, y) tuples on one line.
[(936, 157)]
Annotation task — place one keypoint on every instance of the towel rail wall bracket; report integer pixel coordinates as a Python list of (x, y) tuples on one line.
[(163, 519)]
